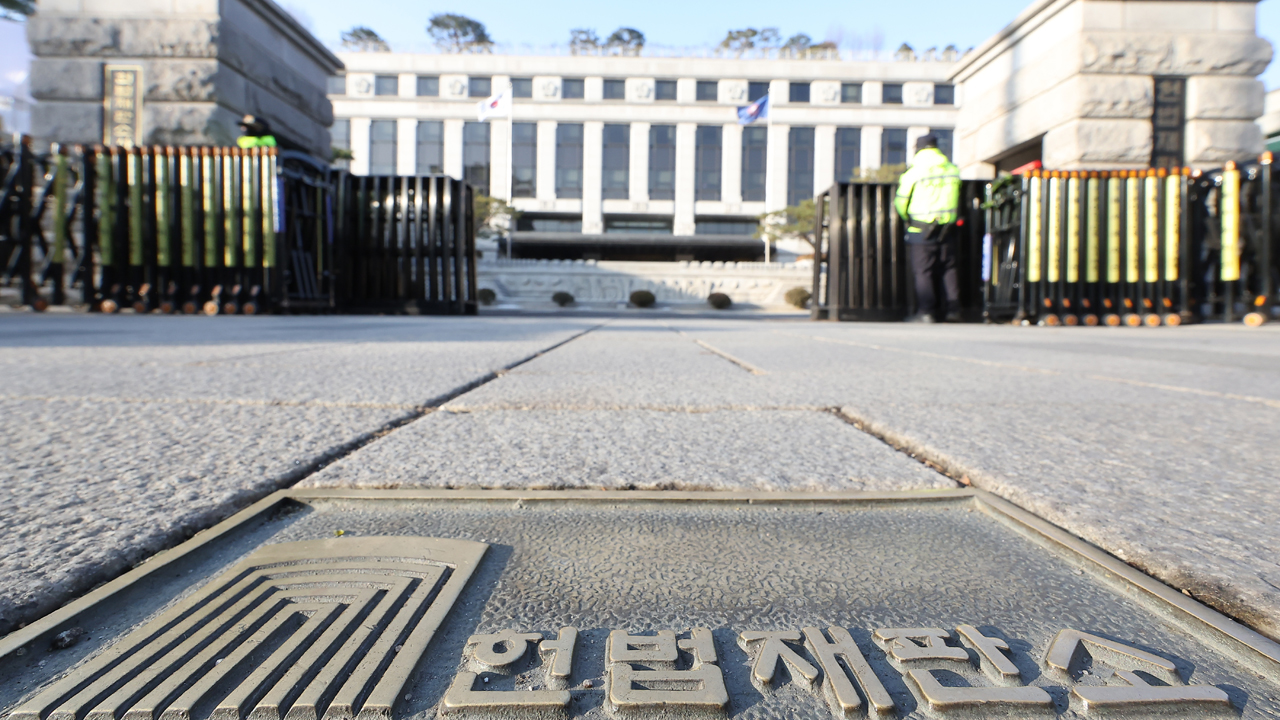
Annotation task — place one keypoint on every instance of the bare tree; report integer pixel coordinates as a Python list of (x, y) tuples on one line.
[(362, 39), (627, 41), (583, 41), (459, 33), (739, 41), (769, 38), (798, 43)]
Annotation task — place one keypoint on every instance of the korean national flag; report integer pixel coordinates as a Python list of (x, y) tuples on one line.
[(497, 106), (757, 110)]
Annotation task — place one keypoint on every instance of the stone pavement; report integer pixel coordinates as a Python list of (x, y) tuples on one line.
[(124, 434)]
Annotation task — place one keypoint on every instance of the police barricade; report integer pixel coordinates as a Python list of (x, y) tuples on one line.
[(212, 230), (1132, 247), (409, 245), (863, 269)]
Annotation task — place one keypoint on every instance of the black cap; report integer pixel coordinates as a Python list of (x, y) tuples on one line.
[(928, 140)]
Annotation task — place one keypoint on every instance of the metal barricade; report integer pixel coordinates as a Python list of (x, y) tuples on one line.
[(230, 230), (862, 268)]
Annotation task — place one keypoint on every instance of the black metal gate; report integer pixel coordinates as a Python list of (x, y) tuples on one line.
[(867, 274)]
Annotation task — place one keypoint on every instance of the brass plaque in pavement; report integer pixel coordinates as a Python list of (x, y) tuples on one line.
[(334, 605)]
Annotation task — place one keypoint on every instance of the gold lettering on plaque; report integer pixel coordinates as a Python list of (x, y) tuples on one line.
[(121, 103), (774, 649), (1133, 692), (908, 644), (837, 688), (501, 653), (697, 691)]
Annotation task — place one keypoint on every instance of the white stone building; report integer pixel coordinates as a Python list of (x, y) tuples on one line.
[(637, 158)]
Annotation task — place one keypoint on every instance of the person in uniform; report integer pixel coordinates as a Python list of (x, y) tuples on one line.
[(255, 133), (929, 202)]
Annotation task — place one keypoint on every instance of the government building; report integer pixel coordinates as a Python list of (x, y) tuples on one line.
[(638, 158)]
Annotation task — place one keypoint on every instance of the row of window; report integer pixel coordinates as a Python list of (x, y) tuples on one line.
[(664, 90), (633, 224), (616, 157)]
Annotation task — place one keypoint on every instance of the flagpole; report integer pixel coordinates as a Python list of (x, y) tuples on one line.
[(768, 114), (511, 144)]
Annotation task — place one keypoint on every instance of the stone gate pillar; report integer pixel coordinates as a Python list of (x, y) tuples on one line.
[(1114, 84), (203, 63)]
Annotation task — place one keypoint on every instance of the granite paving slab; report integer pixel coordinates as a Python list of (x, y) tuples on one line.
[(1147, 458), (630, 449), (369, 361), (87, 490)]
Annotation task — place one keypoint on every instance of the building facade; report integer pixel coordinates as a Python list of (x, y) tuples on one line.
[(1114, 84), (637, 157), (175, 72)]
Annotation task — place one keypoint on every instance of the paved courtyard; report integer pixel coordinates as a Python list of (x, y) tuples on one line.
[(125, 435)]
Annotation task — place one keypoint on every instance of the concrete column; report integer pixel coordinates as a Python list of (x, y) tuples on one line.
[(779, 92), (592, 89), (873, 92), (406, 145), (871, 141), (499, 158), (592, 174), (824, 157), (686, 90), (640, 162), (686, 137), (547, 160), (407, 86), (360, 146), (775, 179), (452, 148), (731, 164)]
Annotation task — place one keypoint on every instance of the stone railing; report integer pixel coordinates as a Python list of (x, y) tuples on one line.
[(604, 281)]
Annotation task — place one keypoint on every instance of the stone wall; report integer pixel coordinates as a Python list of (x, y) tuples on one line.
[(205, 64), (1077, 75), (602, 281)]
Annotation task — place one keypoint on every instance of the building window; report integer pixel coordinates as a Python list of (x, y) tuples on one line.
[(430, 147), (848, 153), (725, 226), (340, 139), (944, 136), (637, 224), (706, 178), (569, 160), (664, 90), (755, 146), (475, 155), (615, 89), (944, 94), (532, 222), (799, 165), (708, 90), (757, 90), (386, 85), (522, 87), (616, 162), (893, 146), (428, 86), (479, 87), (337, 85), (799, 92), (851, 93), (662, 162), (382, 147), (572, 88), (524, 160), (892, 94)]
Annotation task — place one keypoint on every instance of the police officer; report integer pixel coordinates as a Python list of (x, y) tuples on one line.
[(255, 133), (929, 201)]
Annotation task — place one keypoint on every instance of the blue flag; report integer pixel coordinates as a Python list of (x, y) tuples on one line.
[(757, 110)]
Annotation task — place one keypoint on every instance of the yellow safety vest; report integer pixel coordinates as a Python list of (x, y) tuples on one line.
[(929, 191)]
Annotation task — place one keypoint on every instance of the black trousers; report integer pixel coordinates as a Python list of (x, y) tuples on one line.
[(934, 267)]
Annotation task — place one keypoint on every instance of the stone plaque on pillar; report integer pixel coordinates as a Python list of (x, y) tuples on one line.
[(122, 105), (1168, 122)]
